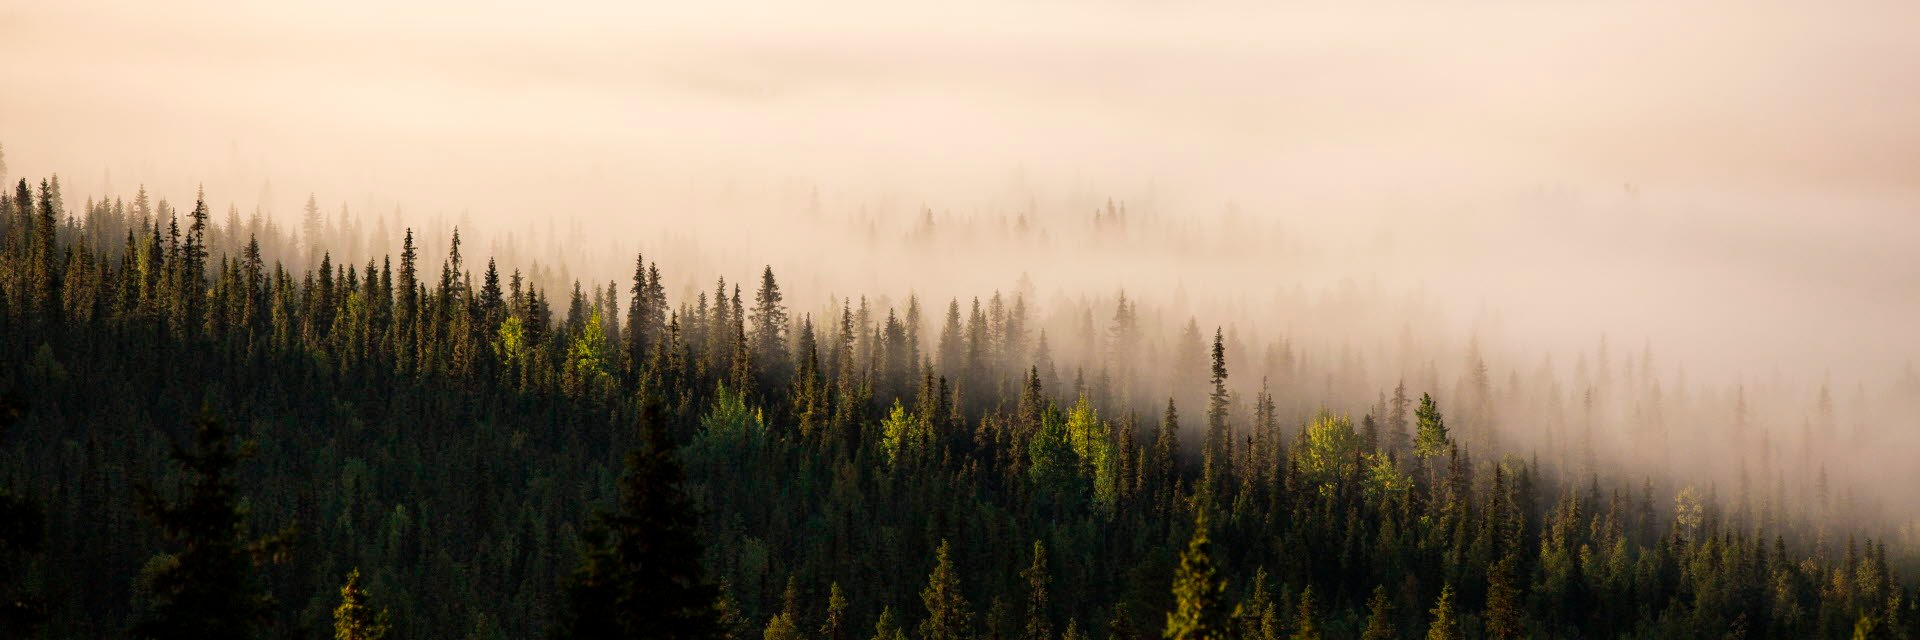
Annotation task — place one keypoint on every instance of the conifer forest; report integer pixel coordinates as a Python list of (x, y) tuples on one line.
[(1075, 408)]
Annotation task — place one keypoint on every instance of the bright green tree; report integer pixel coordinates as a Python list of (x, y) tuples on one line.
[(1430, 436), (1200, 610)]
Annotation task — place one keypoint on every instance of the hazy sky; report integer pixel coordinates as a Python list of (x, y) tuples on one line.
[(1736, 181)]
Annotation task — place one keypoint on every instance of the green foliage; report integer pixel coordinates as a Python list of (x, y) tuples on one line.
[(1379, 617), (1306, 626), (510, 342), (886, 628), (1430, 435), (639, 574), (1444, 625), (462, 476), (731, 427), (1200, 610), (1039, 609), (1093, 447), (208, 589), (589, 356), (1332, 448), (354, 619), (1053, 465), (902, 436), (948, 615)]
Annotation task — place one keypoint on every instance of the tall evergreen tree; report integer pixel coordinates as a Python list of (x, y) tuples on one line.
[(354, 619), (769, 331), (1444, 625), (1039, 610), (208, 589), (1379, 617), (835, 626), (1219, 438), (1306, 626), (948, 615), (1200, 610), (1431, 437), (887, 628), (640, 574)]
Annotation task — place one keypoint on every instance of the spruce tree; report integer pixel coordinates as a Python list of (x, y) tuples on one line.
[(1200, 600), (887, 628), (208, 588), (1039, 611), (1379, 617), (769, 327), (354, 619), (1306, 626), (1219, 445), (948, 615), (834, 627), (1503, 600), (1444, 625), (640, 574), (1430, 438)]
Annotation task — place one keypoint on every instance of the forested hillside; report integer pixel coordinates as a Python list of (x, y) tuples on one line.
[(202, 441)]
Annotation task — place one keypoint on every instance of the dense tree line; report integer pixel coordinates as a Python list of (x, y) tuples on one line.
[(204, 443)]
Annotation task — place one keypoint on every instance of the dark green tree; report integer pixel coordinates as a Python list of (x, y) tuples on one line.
[(1379, 617), (208, 588), (639, 574), (1039, 610)]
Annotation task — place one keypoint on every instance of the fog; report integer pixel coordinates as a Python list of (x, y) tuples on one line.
[(1733, 187)]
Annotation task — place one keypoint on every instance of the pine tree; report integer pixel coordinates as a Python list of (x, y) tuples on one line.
[(1219, 438), (948, 615), (638, 313), (1306, 626), (886, 628), (354, 619), (1039, 611), (769, 327), (207, 589), (834, 627), (786, 624), (1444, 626), (1503, 600), (310, 228), (640, 575), (1200, 601), (1431, 438), (1379, 617)]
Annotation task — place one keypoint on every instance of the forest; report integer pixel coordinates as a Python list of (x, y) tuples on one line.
[(235, 429)]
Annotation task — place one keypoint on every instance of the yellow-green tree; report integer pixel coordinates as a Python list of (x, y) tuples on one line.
[(1200, 610), (354, 619)]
